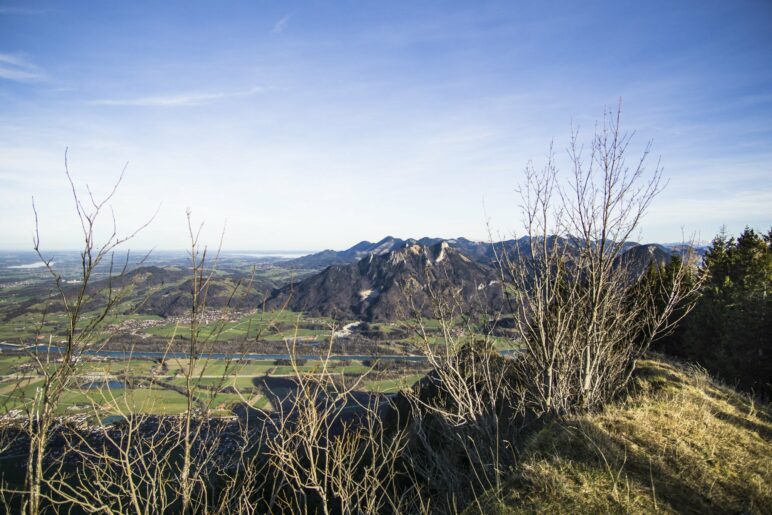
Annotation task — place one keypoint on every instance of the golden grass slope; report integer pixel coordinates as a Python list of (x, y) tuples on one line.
[(680, 442)]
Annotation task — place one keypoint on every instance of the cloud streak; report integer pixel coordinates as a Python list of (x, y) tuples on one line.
[(176, 100), (282, 24), (16, 68)]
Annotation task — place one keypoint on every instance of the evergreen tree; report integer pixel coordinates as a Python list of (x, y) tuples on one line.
[(729, 330)]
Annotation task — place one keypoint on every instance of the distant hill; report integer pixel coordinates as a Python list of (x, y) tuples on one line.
[(152, 290), (698, 250), (168, 291), (637, 258), (377, 287)]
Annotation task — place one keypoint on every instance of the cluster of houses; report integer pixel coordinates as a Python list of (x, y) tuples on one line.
[(138, 326)]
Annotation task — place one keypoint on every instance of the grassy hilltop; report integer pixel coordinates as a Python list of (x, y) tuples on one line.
[(679, 442)]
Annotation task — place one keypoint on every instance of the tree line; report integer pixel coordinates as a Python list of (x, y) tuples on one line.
[(729, 331)]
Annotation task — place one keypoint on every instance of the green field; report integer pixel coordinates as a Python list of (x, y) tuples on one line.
[(36, 323), (145, 386)]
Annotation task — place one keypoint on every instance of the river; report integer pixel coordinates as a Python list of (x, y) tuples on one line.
[(4, 346)]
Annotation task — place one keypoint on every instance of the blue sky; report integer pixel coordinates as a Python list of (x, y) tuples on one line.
[(308, 125)]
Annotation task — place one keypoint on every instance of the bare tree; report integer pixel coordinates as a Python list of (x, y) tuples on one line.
[(583, 318), (58, 365)]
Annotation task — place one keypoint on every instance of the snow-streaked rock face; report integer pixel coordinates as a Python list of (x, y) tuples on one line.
[(443, 247), (369, 295)]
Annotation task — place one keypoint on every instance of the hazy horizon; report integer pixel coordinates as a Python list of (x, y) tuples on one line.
[(299, 252)]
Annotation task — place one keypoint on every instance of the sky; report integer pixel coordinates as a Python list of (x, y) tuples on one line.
[(311, 125)]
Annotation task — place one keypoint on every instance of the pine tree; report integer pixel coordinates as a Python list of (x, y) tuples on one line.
[(729, 330)]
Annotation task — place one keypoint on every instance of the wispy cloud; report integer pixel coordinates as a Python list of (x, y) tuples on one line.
[(282, 24), (15, 67), (177, 100)]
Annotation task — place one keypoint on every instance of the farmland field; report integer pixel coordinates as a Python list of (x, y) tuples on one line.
[(119, 387)]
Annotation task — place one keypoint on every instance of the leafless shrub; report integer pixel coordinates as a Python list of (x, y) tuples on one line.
[(583, 317), (466, 414), (334, 451)]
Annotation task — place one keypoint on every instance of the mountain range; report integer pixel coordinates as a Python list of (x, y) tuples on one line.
[(478, 251), (481, 252), (395, 278)]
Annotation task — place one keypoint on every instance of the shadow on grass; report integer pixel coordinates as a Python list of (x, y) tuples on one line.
[(745, 406), (590, 457), (676, 443), (343, 410)]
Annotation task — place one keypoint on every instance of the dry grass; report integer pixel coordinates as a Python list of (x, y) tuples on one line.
[(679, 442)]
